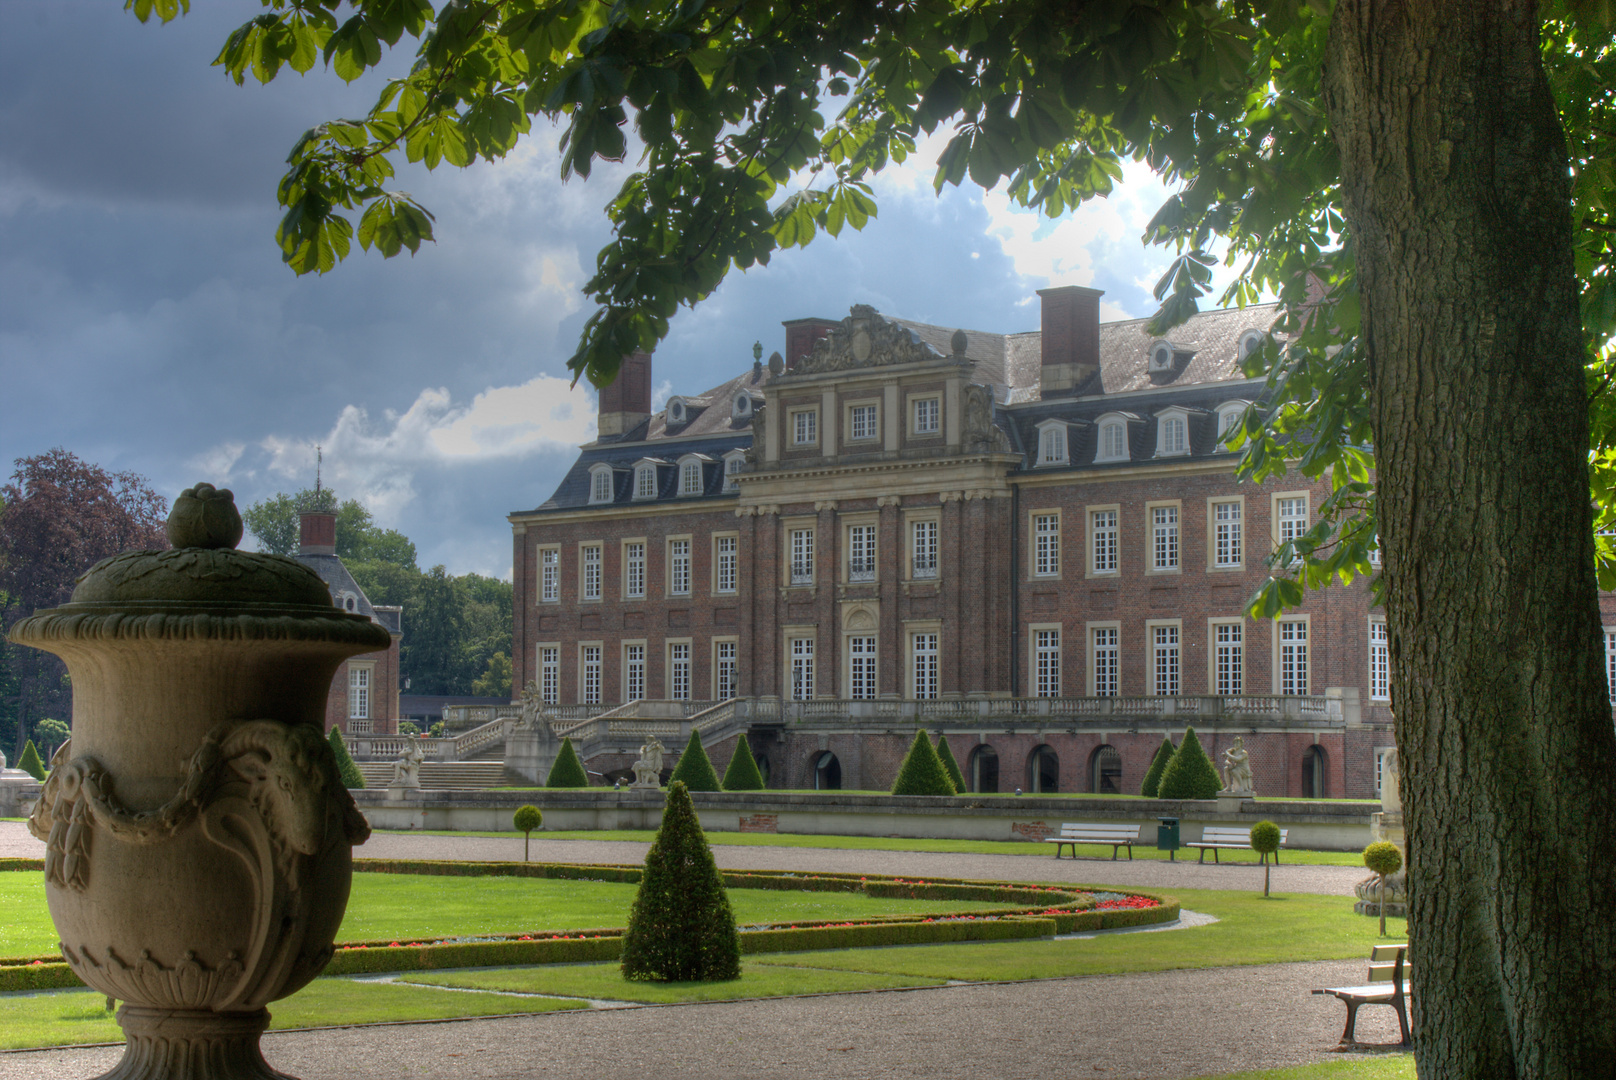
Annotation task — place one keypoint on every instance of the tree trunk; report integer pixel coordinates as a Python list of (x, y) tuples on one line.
[(1455, 185)]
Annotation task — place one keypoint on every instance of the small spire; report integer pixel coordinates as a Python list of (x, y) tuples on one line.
[(319, 459), (757, 351)]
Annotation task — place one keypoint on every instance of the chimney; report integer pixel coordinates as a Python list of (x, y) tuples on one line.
[(1070, 321), (627, 401), (801, 334), (317, 533)]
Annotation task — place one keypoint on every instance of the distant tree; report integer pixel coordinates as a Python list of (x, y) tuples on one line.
[(28, 761), (695, 769), (495, 681), (1190, 774), (60, 516), (950, 766), (681, 928), (408, 727), (742, 773), (434, 637), (51, 734), (527, 818), (352, 778), (1151, 788), (921, 772), (568, 771), (274, 523)]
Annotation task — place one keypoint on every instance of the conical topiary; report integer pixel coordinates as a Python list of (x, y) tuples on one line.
[(921, 772), (352, 778), (742, 773), (1151, 788), (950, 766), (681, 928), (1190, 775), (29, 761), (567, 771), (695, 769)]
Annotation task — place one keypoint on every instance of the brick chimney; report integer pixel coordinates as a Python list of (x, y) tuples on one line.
[(317, 533), (1070, 321), (627, 401), (801, 335)]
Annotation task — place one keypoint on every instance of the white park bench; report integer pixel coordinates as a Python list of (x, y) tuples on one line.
[(1387, 985), (1215, 838), (1075, 833)]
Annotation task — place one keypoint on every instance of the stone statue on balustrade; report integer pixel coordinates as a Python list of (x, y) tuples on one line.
[(532, 708), (1237, 770), (407, 766), (648, 769)]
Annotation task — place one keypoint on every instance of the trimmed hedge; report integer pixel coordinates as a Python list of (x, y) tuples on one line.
[(695, 769), (742, 773), (22, 864), (29, 761), (352, 778), (1191, 774), (681, 927), (921, 772), (629, 875), (950, 766), (1151, 788), (28, 975), (568, 771)]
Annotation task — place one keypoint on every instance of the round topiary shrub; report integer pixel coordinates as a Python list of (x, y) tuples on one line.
[(568, 771), (527, 818), (1265, 841), (1190, 774), (695, 769), (950, 766), (742, 773), (921, 772), (352, 778), (29, 761), (1382, 858), (681, 928), (408, 727), (1151, 788), (52, 733)]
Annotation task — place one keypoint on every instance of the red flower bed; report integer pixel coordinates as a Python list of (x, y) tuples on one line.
[(1125, 903)]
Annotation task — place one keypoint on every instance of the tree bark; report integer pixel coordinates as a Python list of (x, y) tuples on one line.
[(1457, 197)]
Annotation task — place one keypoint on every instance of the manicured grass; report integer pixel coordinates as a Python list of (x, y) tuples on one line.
[(62, 1017), (1358, 1067), (605, 982), (403, 907), (888, 843)]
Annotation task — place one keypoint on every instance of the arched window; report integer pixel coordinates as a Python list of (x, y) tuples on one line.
[(690, 477), (763, 767), (827, 772), (1112, 444), (1043, 770), (645, 482), (1250, 342), (600, 484), (742, 407), (984, 770), (1161, 357), (1052, 443), (1105, 771), (1313, 773), (1172, 435), (733, 461), (1230, 414), (676, 411)]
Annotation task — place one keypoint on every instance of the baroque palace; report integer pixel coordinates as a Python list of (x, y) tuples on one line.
[(1033, 544)]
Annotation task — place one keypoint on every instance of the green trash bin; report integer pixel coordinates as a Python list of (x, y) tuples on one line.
[(1167, 836)]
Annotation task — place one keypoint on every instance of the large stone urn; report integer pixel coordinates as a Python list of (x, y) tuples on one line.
[(199, 838)]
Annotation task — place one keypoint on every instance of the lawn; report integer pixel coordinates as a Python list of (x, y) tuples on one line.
[(1378, 1067), (603, 982)]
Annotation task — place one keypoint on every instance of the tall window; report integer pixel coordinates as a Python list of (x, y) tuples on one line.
[(1113, 442), (1292, 518), (1173, 440), (1046, 545), (925, 659), (861, 553), (1226, 534), (804, 427), (1374, 550), (1380, 662), (601, 486), (679, 567), (1103, 540), (1293, 656), (645, 482), (1164, 537), (359, 693), (679, 671), (928, 416), (861, 422), (802, 556), (732, 468), (1046, 644), (1165, 645), (1228, 658), (923, 553), (726, 578), (590, 675), (724, 669), (690, 478), (550, 575), (633, 672), (1052, 445), (1105, 661), (634, 570), (802, 668), (550, 674), (592, 572), (861, 668)]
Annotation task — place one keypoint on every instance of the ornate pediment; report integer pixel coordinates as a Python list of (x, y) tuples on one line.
[(865, 339)]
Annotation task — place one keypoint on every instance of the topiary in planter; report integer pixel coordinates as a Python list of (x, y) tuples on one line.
[(527, 818), (352, 778), (1383, 858), (742, 773), (568, 771), (950, 766), (1190, 774), (1265, 841), (1151, 788), (29, 761), (681, 928), (695, 769), (921, 772)]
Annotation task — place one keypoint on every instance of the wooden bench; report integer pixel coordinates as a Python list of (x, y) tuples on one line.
[(1075, 833), (1387, 985), (1215, 838)]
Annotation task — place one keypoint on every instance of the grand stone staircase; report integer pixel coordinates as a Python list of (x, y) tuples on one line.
[(438, 775)]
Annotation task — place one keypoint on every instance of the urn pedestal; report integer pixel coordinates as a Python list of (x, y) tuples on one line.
[(198, 836)]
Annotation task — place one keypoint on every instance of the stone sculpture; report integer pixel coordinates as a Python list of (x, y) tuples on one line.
[(198, 835), (1237, 769), (648, 769), (407, 766), (982, 435)]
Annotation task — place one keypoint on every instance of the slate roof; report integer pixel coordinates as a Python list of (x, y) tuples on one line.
[(338, 580)]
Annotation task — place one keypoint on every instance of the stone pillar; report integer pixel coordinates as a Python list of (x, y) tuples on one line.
[(975, 618), (952, 603), (827, 575), (765, 582), (890, 543)]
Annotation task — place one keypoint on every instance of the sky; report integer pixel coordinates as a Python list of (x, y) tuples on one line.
[(148, 324)]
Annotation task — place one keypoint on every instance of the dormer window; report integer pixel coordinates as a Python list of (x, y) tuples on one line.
[(1172, 433), (1250, 342), (1111, 444), (742, 407), (645, 482), (600, 484), (1230, 414), (1052, 443), (676, 411), (690, 476), (733, 461), (1161, 357)]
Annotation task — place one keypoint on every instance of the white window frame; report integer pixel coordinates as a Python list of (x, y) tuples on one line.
[(861, 552), (690, 477), (634, 670), (800, 555), (804, 427), (548, 656), (1052, 443), (1292, 656), (1172, 433), (1225, 531), (645, 482), (1287, 526), (1104, 451), (734, 461), (924, 650), (550, 575), (863, 667), (1226, 657), (923, 548), (602, 484), (1165, 522), (680, 561), (800, 666), (1044, 656), (591, 569), (589, 672), (681, 669), (1165, 639), (1105, 535), (1229, 414), (1380, 660), (1105, 658), (925, 415), (863, 421), (634, 569), (1044, 532), (726, 563), (726, 668), (360, 680)]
